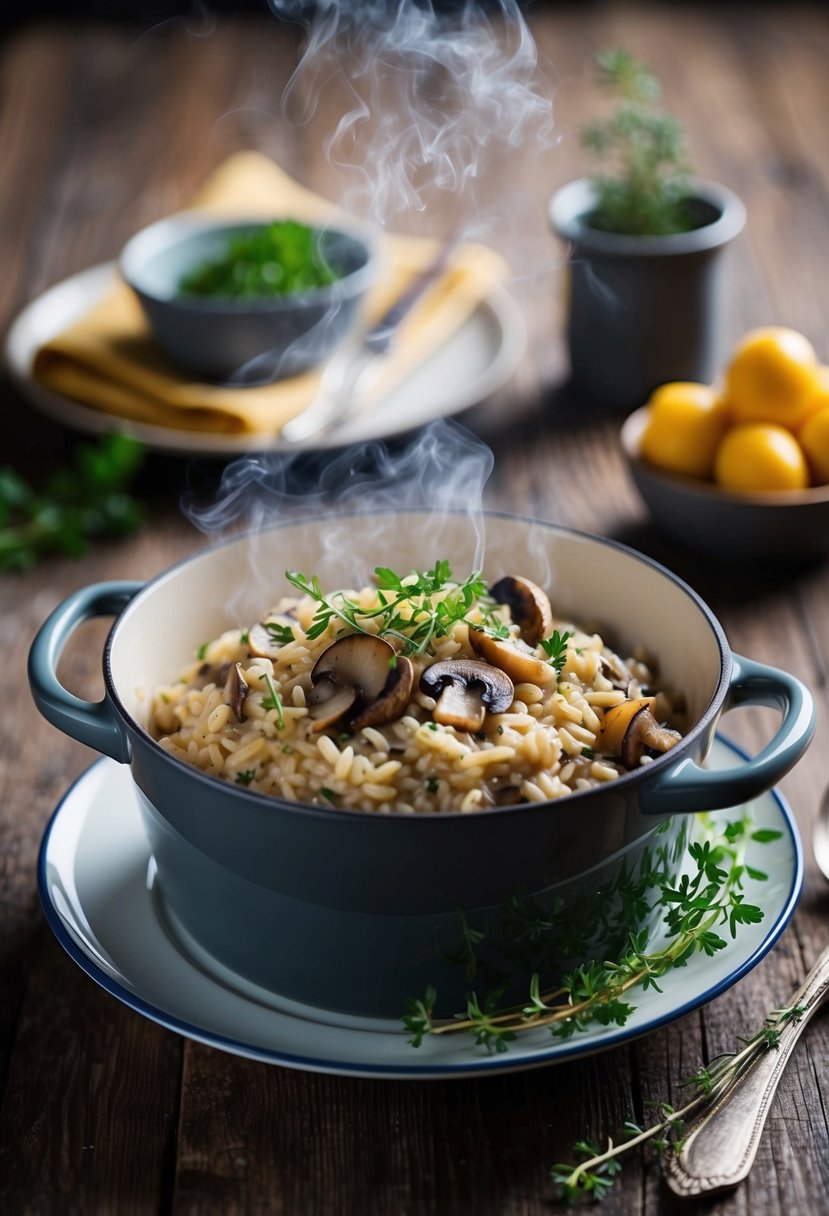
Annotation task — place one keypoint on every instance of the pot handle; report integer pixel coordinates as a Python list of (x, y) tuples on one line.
[(92, 723), (688, 787)]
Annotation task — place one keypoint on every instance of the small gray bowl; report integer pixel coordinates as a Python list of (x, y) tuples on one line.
[(784, 526), (242, 341)]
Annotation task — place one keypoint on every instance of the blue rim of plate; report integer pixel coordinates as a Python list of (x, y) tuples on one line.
[(559, 1052)]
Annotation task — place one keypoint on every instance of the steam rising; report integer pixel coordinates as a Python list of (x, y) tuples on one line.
[(426, 96), (423, 100), (444, 469)]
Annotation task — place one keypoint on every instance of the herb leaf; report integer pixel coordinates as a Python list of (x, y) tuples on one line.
[(77, 505), (273, 701), (555, 648), (414, 609)]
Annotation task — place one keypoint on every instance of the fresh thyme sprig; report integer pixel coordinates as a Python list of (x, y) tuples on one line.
[(273, 701), (594, 1176), (413, 609), (593, 994)]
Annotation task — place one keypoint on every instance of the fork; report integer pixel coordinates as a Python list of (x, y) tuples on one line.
[(347, 374), (719, 1148)]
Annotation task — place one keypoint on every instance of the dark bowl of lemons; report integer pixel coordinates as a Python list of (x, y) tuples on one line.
[(246, 302), (740, 470)]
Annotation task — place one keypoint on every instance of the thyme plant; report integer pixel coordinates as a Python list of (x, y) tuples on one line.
[(642, 188)]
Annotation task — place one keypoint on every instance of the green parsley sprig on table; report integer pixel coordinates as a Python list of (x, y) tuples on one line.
[(72, 508)]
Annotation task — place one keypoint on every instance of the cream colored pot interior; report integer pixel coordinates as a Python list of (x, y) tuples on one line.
[(594, 583)]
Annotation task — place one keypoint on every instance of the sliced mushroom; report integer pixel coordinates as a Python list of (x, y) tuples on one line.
[(464, 690), (506, 795), (394, 698), (513, 657), (265, 642), (328, 703), (629, 729), (616, 671), (529, 607), (236, 691), (646, 733), (616, 721), (360, 679)]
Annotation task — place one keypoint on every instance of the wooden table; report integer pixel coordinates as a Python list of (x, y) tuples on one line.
[(103, 1111)]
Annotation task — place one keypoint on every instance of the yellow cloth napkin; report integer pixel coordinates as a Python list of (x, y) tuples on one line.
[(108, 360)]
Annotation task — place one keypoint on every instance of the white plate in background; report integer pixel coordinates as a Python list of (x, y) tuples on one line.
[(471, 364)]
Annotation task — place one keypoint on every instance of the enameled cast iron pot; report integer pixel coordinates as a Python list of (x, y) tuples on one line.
[(355, 911)]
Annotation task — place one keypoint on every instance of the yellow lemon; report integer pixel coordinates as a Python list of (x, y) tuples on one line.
[(684, 425), (760, 456), (814, 437), (772, 377)]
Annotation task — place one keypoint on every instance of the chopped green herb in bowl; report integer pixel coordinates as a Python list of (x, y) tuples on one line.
[(248, 302), (277, 259)]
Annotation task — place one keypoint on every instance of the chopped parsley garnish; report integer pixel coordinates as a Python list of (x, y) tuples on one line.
[(201, 653), (331, 795), (588, 752), (263, 260), (414, 609), (246, 776), (279, 633), (431, 784), (555, 648), (243, 637)]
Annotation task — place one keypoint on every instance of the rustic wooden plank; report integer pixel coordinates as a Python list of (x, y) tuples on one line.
[(87, 165), (89, 1113)]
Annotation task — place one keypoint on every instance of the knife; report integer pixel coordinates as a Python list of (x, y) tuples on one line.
[(351, 369)]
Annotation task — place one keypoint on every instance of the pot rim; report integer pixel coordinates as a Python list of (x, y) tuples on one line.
[(339, 814), (569, 205)]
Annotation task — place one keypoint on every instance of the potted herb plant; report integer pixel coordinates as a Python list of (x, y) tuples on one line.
[(645, 239)]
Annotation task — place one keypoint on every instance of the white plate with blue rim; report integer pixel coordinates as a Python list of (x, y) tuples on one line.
[(472, 363), (97, 886)]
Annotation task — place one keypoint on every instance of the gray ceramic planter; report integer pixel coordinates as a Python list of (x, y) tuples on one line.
[(643, 310), (358, 910)]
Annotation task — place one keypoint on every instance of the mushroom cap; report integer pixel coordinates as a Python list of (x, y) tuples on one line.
[(512, 657), (496, 688), (359, 660), (529, 606), (359, 678)]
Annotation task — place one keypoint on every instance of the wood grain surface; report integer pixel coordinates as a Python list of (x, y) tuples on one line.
[(104, 128)]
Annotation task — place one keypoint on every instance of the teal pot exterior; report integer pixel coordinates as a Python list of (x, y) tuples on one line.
[(356, 911), (643, 311)]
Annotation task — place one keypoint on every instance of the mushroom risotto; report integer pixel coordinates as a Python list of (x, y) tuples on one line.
[(420, 693)]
